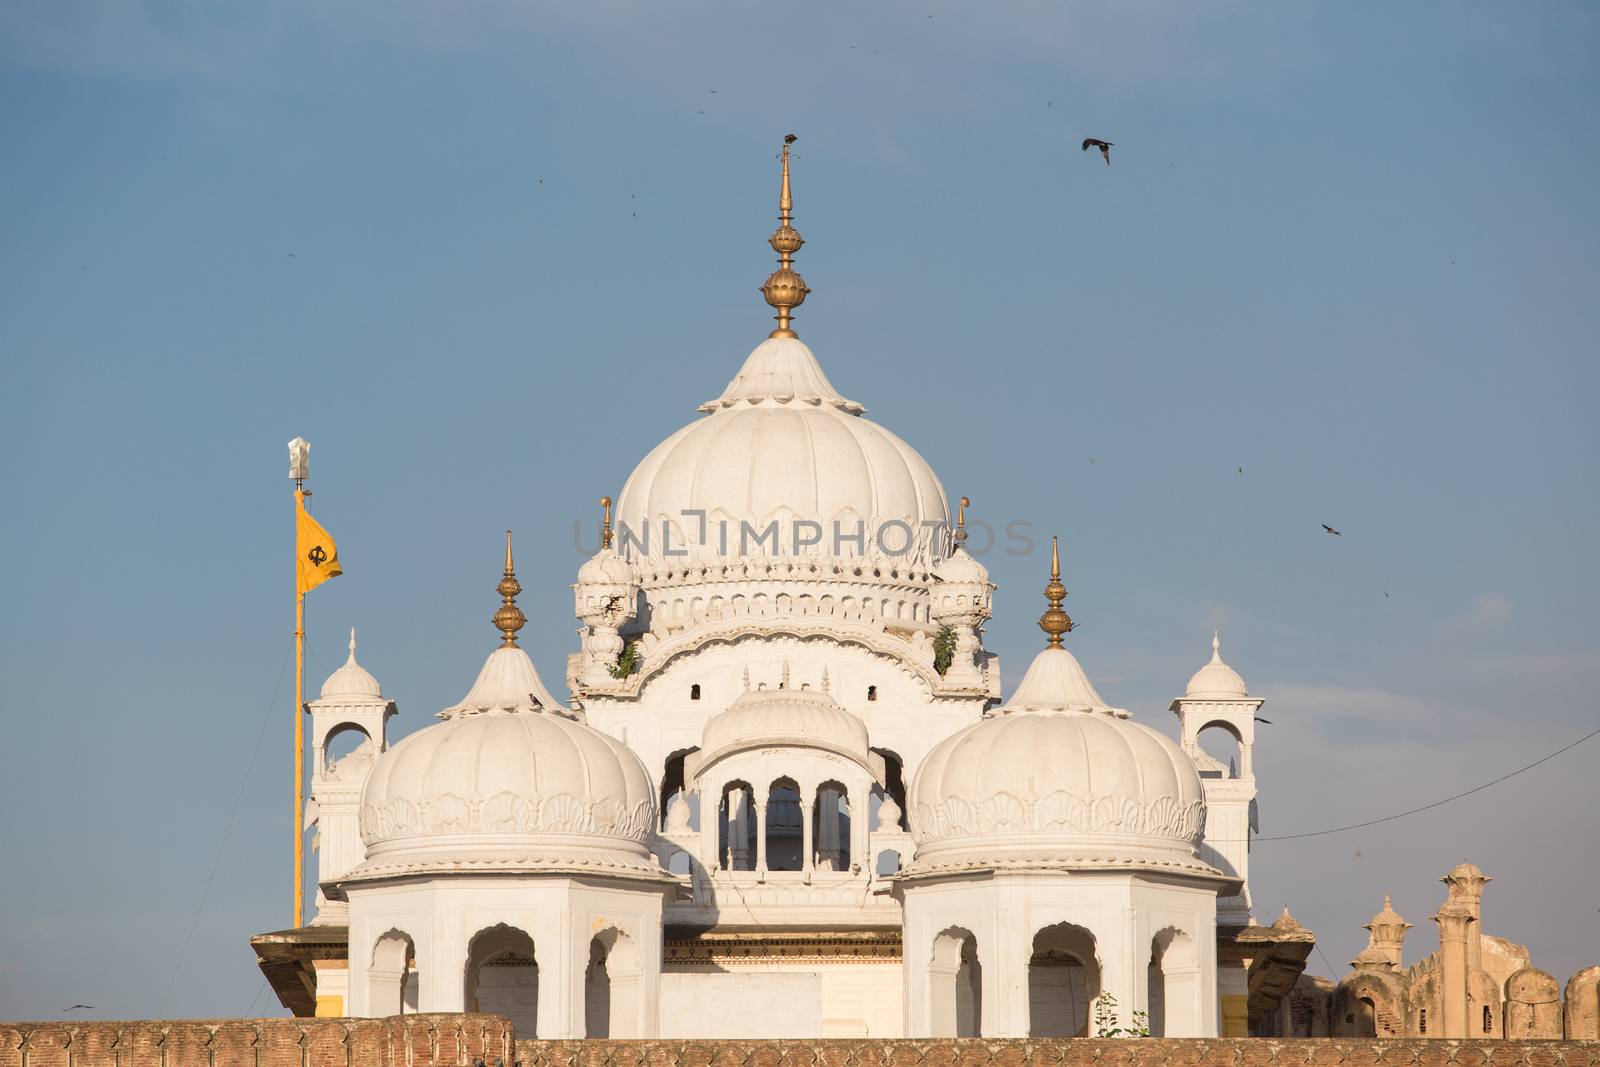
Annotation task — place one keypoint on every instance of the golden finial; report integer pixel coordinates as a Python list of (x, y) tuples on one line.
[(509, 619), (1055, 622), (784, 289), (960, 536), (605, 531)]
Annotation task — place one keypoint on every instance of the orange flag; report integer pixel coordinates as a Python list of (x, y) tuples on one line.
[(316, 556)]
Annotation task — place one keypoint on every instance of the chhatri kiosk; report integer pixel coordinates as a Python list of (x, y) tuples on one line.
[(785, 796)]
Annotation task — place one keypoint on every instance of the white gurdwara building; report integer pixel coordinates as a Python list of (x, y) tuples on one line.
[(714, 836)]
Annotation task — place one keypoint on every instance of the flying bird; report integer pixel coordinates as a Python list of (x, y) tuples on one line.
[(75, 1007), (1104, 146), (1260, 719), (790, 138), (1331, 530)]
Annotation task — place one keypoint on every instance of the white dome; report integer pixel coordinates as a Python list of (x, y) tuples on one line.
[(1216, 680), (605, 567), (770, 718), (1057, 779), (351, 681), (509, 781), (780, 443), (959, 566)]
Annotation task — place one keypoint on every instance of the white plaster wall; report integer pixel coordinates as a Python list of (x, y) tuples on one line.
[(741, 1004)]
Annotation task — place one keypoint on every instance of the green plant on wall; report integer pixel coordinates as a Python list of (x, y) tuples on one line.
[(627, 661), (1105, 1019), (944, 649)]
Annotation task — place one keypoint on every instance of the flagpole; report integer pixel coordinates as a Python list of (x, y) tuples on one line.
[(299, 756), (299, 737)]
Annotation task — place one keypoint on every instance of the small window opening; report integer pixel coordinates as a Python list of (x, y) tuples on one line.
[(1422, 1021), (872, 692), (1488, 1020), (694, 691)]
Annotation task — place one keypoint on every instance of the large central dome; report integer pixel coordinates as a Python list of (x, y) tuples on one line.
[(781, 445)]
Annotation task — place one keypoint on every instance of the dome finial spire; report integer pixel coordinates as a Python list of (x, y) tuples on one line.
[(784, 289), (605, 529), (960, 536), (1055, 622), (352, 644), (509, 619)]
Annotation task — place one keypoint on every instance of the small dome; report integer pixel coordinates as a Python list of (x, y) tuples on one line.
[(505, 783), (767, 718), (351, 681), (606, 567), (509, 781), (1216, 680), (1058, 779), (781, 445), (959, 566)]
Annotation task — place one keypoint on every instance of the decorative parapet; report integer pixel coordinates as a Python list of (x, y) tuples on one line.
[(441, 1040)]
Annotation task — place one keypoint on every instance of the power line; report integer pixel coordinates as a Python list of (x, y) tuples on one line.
[(266, 720), (1436, 803)]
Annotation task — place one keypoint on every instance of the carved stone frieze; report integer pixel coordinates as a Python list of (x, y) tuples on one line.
[(506, 812)]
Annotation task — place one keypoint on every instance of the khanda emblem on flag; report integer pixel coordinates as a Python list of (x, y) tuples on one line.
[(317, 556)]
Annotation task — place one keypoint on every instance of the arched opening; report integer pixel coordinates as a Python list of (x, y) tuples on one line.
[(888, 863), (1219, 745), (340, 742), (784, 826), (955, 985), (736, 828), (694, 691), (680, 863), (502, 977), (1488, 1019), (1366, 1020), (1174, 985), (672, 782), (391, 975), (872, 692), (1063, 981), (830, 827), (894, 779), (611, 986)]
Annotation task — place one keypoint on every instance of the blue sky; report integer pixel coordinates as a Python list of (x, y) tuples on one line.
[(485, 255)]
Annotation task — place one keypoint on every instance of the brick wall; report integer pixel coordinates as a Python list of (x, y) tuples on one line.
[(458, 1040), (1152, 1052), (401, 1041)]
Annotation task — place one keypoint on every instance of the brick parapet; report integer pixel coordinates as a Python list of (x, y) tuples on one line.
[(443, 1040), (1144, 1052)]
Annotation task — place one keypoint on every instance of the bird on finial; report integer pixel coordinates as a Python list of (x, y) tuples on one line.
[(960, 536), (509, 619), (784, 289), (1055, 622), (605, 529)]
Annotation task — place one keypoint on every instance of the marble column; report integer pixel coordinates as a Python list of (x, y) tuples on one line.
[(761, 838), (808, 801)]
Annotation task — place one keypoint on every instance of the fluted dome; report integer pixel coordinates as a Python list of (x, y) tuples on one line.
[(1057, 779), (959, 566), (780, 443), (606, 567), (769, 718), (510, 780), (351, 681), (1216, 680)]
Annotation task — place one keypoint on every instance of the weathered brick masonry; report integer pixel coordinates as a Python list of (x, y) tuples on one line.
[(400, 1041), (459, 1040), (1148, 1052)]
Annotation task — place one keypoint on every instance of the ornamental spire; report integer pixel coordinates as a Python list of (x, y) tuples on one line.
[(1055, 622), (509, 619), (605, 529), (960, 536), (784, 289)]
